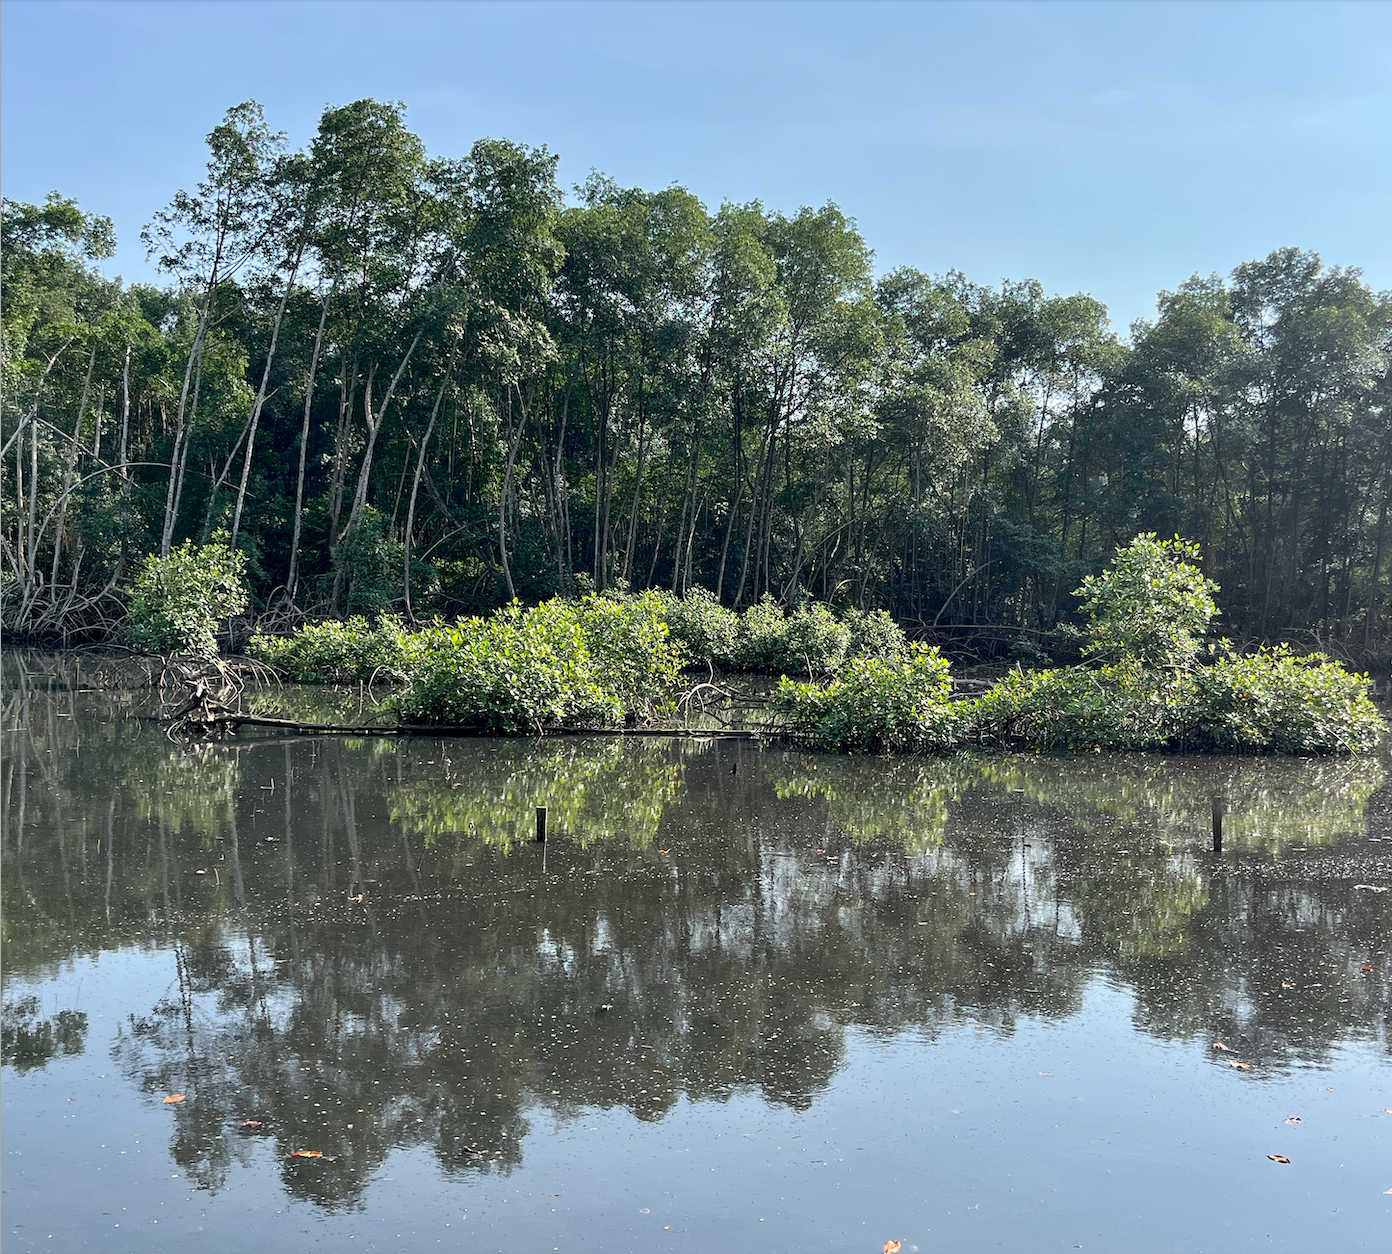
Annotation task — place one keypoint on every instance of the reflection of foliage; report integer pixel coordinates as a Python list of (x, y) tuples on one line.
[(1141, 908), (1267, 803), (27, 1041), (192, 789), (592, 791), (901, 801), (355, 965)]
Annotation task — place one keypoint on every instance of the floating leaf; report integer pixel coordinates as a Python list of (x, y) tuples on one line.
[(249, 1123), (1241, 1066), (174, 1097), (893, 1247), (1370, 888), (1287, 984), (1291, 1119), (1220, 1045), (1279, 1158), (1367, 966), (305, 1154)]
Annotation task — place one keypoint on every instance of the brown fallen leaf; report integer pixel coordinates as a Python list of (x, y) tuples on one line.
[(174, 1097), (249, 1123), (1279, 1158), (305, 1154), (893, 1247), (1220, 1045), (1241, 1066), (1367, 966), (662, 851), (1291, 1119)]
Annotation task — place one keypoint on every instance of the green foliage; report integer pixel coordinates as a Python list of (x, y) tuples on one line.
[(812, 640), (1115, 707), (596, 661), (1275, 702), (178, 600), (339, 652), (1148, 611), (874, 633), (708, 630), (763, 638), (877, 705), (371, 562), (1151, 605)]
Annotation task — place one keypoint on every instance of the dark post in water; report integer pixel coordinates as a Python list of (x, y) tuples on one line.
[(541, 825), (1217, 823)]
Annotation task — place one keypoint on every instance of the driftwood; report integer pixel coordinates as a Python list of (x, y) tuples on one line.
[(212, 721)]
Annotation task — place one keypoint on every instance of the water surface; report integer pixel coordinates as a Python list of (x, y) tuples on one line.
[(743, 998)]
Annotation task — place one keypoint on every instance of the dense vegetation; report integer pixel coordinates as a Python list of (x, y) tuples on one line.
[(1152, 679), (433, 384)]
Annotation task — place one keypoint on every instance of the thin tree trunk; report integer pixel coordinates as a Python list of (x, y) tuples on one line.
[(68, 467), (415, 482), (292, 580), (261, 399)]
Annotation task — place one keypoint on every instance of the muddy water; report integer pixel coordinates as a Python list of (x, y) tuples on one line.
[(741, 998)]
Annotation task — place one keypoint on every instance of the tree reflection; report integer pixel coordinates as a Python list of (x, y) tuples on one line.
[(370, 951)]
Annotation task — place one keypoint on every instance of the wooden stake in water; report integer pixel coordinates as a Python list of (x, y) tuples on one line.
[(541, 825), (1217, 823)]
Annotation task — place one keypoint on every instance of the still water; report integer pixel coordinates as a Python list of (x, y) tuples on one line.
[(743, 998)]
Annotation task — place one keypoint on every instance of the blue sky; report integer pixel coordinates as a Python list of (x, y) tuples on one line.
[(1111, 148)]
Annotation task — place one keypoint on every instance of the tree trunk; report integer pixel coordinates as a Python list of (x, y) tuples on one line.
[(261, 399), (292, 579)]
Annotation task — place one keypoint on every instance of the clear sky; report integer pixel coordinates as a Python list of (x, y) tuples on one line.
[(1112, 148)]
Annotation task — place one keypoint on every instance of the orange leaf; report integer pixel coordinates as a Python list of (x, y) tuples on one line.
[(1278, 1158), (174, 1097), (249, 1123), (305, 1154), (1241, 1066), (662, 851), (1220, 1045), (893, 1247), (1367, 966)]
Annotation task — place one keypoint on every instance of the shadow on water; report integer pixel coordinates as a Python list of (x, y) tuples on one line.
[(372, 952)]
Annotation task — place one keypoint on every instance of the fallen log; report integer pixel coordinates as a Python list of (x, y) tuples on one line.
[(230, 720)]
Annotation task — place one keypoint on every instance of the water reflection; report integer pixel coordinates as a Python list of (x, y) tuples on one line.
[(369, 951)]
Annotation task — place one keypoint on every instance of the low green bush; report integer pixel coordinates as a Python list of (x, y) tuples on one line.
[(874, 633), (344, 652), (598, 661), (708, 630), (877, 705), (1148, 615), (763, 638), (1123, 706), (1275, 702), (177, 601)]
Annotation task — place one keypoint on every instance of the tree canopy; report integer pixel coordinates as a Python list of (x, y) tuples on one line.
[(433, 384)]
